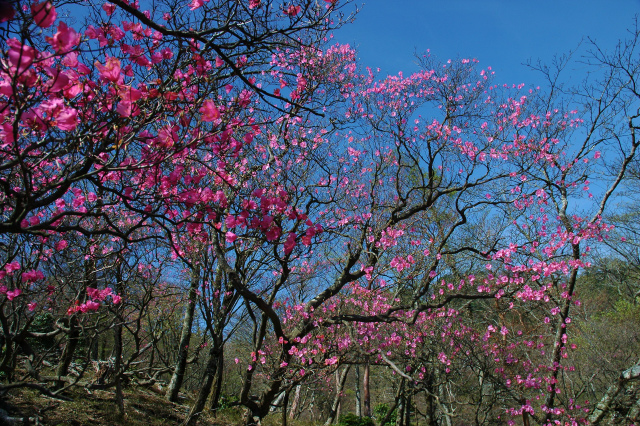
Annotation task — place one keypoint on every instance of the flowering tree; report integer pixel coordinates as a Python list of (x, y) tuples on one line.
[(323, 200), (114, 129), (396, 199)]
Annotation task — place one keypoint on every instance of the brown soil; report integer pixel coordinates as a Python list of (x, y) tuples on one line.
[(98, 408)]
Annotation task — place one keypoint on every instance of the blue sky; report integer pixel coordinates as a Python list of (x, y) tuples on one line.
[(502, 34)]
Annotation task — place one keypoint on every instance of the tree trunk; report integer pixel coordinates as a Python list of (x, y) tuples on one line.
[(69, 349), (401, 403), (392, 408), (214, 401), (94, 347), (185, 336), (103, 348), (285, 403), (358, 396), (445, 410), (407, 406), (430, 409), (296, 402), (90, 280), (207, 382), (117, 340), (367, 392), (609, 397), (341, 378)]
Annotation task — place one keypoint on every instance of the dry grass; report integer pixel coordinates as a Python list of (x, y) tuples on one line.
[(98, 408)]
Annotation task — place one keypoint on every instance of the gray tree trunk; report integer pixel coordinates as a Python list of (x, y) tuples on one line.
[(341, 378), (185, 336), (358, 396), (605, 403), (117, 340), (296, 402), (217, 386), (209, 376)]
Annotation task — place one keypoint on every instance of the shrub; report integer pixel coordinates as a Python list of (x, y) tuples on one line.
[(380, 411), (353, 420)]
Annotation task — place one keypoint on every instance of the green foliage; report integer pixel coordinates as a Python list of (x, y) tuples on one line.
[(227, 402), (42, 323), (623, 312), (353, 420), (381, 410)]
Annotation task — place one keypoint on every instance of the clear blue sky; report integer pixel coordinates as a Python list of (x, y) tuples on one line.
[(502, 34)]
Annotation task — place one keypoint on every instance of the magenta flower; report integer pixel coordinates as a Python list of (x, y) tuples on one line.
[(64, 39), (292, 10), (20, 56), (110, 71), (13, 293), (44, 14), (209, 111)]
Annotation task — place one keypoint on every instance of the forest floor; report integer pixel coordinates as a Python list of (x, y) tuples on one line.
[(98, 408)]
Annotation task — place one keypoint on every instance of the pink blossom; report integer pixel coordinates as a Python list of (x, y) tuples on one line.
[(124, 108), (292, 10), (31, 276), (98, 295), (44, 14), (230, 237), (58, 79), (110, 71), (6, 132), (64, 39), (290, 243), (13, 293), (331, 361), (10, 267), (67, 119), (273, 233), (20, 56), (109, 8), (209, 111), (89, 305), (78, 201), (61, 245), (254, 3), (196, 4)]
